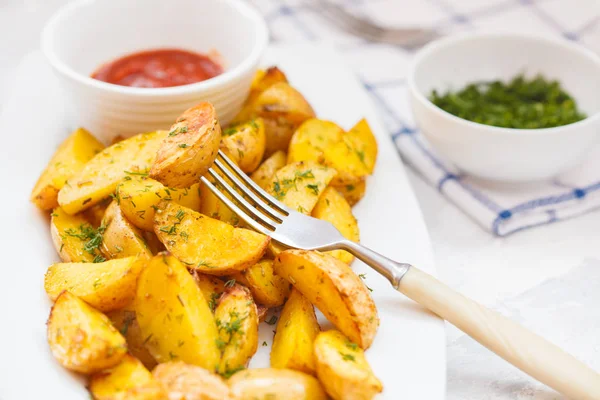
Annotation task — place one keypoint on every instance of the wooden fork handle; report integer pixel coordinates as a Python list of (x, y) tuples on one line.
[(522, 348)]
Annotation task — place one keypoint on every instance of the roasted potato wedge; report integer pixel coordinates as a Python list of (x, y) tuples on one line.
[(267, 288), (81, 338), (333, 288), (274, 383), (74, 238), (211, 287), (343, 369), (205, 244), (189, 382), (364, 142), (265, 79), (352, 192), (236, 317), (334, 208), (95, 213), (126, 323), (69, 158), (215, 208), (190, 148), (105, 286), (138, 197), (263, 176), (296, 331), (312, 138), (100, 176), (121, 238), (128, 380), (174, 317), (299, 185), (245, 144)]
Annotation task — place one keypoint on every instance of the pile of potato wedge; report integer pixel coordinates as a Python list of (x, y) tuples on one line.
[(162, 288)]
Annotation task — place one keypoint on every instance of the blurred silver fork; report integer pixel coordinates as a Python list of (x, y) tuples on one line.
[(531, 353)]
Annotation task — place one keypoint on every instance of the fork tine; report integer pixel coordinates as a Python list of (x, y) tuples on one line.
[(249, 208), (255, 188), (233, 207), (240, 186)]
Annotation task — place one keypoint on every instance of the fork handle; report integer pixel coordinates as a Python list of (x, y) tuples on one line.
[(519, 346)]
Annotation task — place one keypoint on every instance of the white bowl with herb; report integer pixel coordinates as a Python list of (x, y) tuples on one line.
[(507, 107)]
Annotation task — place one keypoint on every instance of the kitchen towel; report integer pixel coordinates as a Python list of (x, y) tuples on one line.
[(500, 208)]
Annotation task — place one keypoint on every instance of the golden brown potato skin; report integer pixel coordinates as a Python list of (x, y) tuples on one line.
[(343, 369), (126, 323), (121, 238), (189, 149), (333, 288), (81, 338), (190, 382), (128, 380), (274, 383), (245, 144), (267, 288)]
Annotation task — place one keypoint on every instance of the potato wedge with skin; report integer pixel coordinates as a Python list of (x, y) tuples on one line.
[(296, 331), (274, 383), (173, 315), (67, 160), (124, 321), (333, 288), (363, 140), (343, 369), (352, 192), (81, 338), (265, 79), (190, 148), (245, 144), (138, 197), (128, 380), (189, 382), (105, 286), (267, 288), (263, 176), (211, 287), (205, 244), (236, 317), (299, 185), (121, 238), (95, 214), (100, 176), (70, 236), (312, 138), (332, 207)]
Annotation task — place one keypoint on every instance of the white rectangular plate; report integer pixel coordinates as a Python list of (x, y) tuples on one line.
[(408, 354)]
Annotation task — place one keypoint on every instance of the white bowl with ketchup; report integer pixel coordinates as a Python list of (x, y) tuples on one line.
[(131, 66)]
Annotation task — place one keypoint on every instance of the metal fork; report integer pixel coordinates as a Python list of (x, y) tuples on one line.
[(524, 349), (405, 37)]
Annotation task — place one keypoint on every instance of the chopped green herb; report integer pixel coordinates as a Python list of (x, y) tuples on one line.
[(272, 320), (347, 357), (230, 283), (136, 173), (183, 145), (314, 189)]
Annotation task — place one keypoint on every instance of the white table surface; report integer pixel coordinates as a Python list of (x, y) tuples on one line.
[(505, 273)]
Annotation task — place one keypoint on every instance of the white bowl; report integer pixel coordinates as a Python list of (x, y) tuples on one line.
[(504, 154), (87, 33)]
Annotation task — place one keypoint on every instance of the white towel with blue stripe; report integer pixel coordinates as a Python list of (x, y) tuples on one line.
[(500, 208)]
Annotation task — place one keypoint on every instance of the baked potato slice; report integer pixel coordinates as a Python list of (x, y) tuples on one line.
[(333, 288), (81, 338), (128, 380), (138, 197), (299, 185), (189, 382), (70, 157), (364, 142), (211, 287), (190, 148), (121, 238), (334, 208), (124, 321), (275, 383), (267, 288), (106, 286), (312, 138), (343, 369), (296, 331), (352, 192), (206, 244), (265, 79), (236, 317), (74, 238), (263, 175), (245, 144), (174, 317), (100, 176)]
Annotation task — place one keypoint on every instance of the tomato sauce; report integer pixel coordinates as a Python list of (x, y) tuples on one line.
[(158, 68)]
